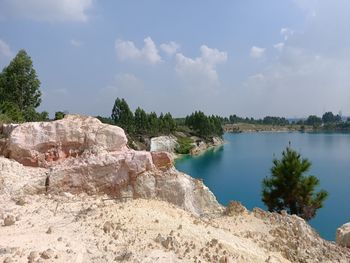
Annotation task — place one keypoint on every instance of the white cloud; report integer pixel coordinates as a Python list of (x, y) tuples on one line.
[(279, 46), (257, 52), (47, 10), (76, 43), (5, 50), (286, 33), (170, 48), (126, 50), (201, 71)]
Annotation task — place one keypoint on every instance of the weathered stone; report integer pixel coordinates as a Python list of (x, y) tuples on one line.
[(39, 143), (47, 254), (235, 208), (162, 160), (107, 227), (342, 237), (163, 144), (33, 255), (9, 220)]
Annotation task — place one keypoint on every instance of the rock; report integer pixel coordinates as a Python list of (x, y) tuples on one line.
[(20, 201), (8, 260), (47, 254), (159, 238), (223, 259), (33, 255), (39, 143), (85, 155), (164, 144), (235, 208), (342, 237), (107, 227), (126, 255), (9, 220), (162, 160), (49, 230)]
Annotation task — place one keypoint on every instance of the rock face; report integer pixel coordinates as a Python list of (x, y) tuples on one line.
[(85, 155), (163, 144), (200, 146), (40, 143), (343, 235)]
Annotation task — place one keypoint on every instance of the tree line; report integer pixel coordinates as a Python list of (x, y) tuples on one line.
[(140, 122)]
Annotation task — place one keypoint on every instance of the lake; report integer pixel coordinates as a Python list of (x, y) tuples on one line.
[(235, 170)]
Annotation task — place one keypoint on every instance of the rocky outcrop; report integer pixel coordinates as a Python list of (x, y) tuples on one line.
[(200, 146), (81, 154), (343, 235), (164, 144), (41, 143)]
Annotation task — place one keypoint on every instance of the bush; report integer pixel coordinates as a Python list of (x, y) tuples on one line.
[(185, 145)]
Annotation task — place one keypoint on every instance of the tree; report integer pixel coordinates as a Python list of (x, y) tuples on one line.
[(289, 189), (19, 83), (314, 121), (59, 115), (329, 117), (141, 124), (123, 116)]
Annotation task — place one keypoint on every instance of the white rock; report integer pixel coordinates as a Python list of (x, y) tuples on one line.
[(35, 143), (342, 237), (163, 144)]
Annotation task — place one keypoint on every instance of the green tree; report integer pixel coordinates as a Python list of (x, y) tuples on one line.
[(314, 121), (329, 117), (123, 116), (141, 125), (289, 189), (19, 83), (59, 115)]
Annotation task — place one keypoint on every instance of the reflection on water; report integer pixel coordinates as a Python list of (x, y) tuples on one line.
[(235, 171)]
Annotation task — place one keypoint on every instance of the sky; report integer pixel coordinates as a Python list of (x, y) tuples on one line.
[(247, 57)]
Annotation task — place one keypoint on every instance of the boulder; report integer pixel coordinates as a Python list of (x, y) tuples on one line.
[(85, 155), (164, 144), (342, 237), (162, 160), (40, 143)]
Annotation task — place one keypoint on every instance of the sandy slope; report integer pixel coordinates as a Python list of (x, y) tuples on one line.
[(98, 229)]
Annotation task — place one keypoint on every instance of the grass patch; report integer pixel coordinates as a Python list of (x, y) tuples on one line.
[(185, 145)]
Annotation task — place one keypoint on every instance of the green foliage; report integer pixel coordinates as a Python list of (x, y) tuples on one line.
[(329, 117), (269, 120), (59, 115), (20, 83), (141, 122), (204, 126), (288, 188), (314, 121), (123, 116), (19, 90), (11, 112), (185, 145)]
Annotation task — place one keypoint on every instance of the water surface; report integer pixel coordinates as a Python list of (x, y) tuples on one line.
[(235, 171)]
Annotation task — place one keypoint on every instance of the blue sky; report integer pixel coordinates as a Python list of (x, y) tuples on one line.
[(251, 58)]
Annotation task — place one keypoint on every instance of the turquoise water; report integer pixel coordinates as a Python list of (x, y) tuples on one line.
[(235, 171)]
